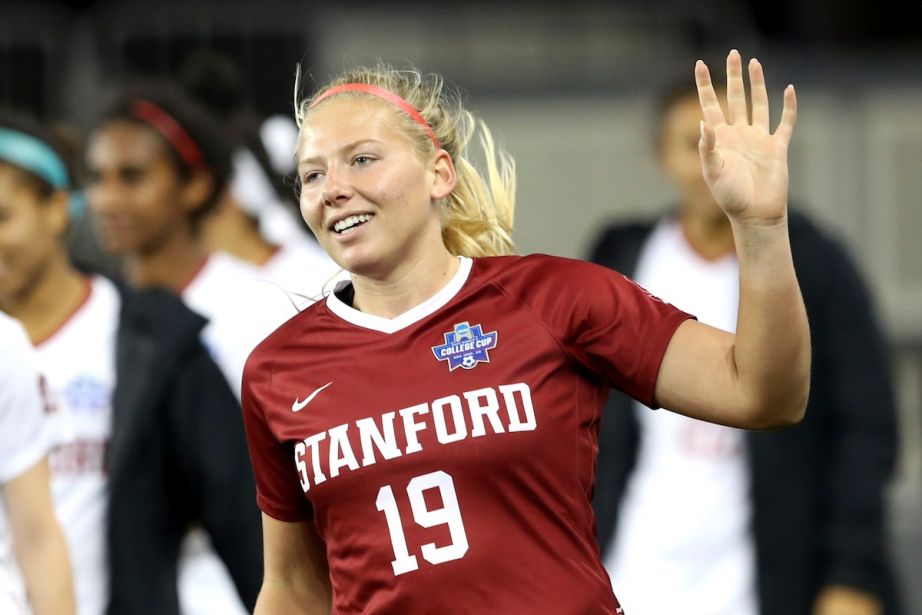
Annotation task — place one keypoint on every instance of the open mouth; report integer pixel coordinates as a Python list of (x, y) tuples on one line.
[(348, 225)]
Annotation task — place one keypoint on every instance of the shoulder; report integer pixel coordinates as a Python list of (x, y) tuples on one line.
[(221, 276), (157, 311), (804, 231), (224, 263), (619, 241), (809, 238), (21, 389), (821, 259), (537, 269), (264, 355), (541, 280)]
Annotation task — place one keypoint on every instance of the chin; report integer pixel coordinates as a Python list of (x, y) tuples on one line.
[(356, 261), (364, 267), (116, 247), (12, 286)]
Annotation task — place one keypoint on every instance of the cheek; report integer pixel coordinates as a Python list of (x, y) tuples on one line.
[(406, 193), (23, 242), (684, 165), (310, 211), (157, 203), (93, 196), (19, 231)]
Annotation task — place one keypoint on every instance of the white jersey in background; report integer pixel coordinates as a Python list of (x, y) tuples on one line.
[(79, 362), (683, 541), (302, 270), (299, 266), (27, 433), (242, 309)]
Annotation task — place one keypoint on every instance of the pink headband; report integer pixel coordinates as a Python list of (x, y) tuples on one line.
[(387, 95), (172, 131)]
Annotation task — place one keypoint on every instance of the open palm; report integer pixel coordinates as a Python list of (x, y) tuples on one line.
[(744, 164)]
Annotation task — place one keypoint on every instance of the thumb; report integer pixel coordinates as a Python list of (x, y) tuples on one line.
[(707, 148)]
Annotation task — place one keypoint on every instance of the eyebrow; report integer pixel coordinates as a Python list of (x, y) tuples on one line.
[(345, 148)]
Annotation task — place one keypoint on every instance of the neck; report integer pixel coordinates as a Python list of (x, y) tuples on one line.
[(47, 303), (230, 230), (707, 230), (171, 265), (417, 281)]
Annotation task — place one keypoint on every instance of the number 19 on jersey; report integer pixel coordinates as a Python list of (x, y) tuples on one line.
[(449, 514)]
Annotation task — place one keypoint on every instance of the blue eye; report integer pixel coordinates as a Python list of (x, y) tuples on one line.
[(311, 177), (362, 159)]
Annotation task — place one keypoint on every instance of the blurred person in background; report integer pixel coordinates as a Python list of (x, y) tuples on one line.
[(35, 575), (146, 411), (157, 164), (704, 519), (255, 220)]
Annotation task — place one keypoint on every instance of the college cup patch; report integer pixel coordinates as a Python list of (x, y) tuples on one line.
[(466, 346)]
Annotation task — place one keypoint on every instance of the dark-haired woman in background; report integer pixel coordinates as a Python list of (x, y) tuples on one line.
[(147, 410)]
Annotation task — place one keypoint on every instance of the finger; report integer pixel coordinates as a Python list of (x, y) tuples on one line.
[(788, 115), (759, 95), (707, 148), (710, 106), (736, 91)]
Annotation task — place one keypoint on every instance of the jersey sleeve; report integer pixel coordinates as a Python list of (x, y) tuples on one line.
[(278, 492), (606, 322), (27, 429)]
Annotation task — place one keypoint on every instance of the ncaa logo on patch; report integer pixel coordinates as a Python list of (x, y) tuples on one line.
[(466, 346)]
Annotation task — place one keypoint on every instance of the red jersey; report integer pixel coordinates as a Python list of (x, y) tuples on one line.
[(447, 456)]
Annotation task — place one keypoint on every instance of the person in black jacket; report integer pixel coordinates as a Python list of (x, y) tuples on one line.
[(196, 469), (155, 441), (795, 516)]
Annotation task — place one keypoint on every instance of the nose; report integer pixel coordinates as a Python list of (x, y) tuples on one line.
[(336, 189)]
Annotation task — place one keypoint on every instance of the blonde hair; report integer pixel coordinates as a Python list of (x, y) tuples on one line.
[(477, 216)]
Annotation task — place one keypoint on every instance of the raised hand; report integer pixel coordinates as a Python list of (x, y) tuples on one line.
[(744, 164)]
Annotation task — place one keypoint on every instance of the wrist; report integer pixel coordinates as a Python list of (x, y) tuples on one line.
[(759, 232)]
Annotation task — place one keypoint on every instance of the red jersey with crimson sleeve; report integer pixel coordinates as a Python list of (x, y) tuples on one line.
[(447, 456)]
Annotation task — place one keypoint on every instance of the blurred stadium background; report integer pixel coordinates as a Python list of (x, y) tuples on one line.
[(567, 87)]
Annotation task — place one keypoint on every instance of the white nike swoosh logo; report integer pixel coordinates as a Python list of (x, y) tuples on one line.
[(297, 406)]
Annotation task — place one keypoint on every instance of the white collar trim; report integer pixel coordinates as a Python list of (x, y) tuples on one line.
[(411, 316)]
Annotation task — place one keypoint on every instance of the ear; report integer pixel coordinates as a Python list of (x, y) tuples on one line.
[(196, 191), (57, 212), (444, 176)]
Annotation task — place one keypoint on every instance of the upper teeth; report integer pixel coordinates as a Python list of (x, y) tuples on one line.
[(351, 221)]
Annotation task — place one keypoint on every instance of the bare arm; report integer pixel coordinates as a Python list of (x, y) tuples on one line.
[(759, 377), (39, 542), (297, 579)]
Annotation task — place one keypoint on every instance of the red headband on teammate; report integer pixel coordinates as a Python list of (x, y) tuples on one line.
[(387, 95), (172, 131)]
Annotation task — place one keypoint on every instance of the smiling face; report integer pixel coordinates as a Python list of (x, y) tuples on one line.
[(366, 193), (137, 197), (30, 233)]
